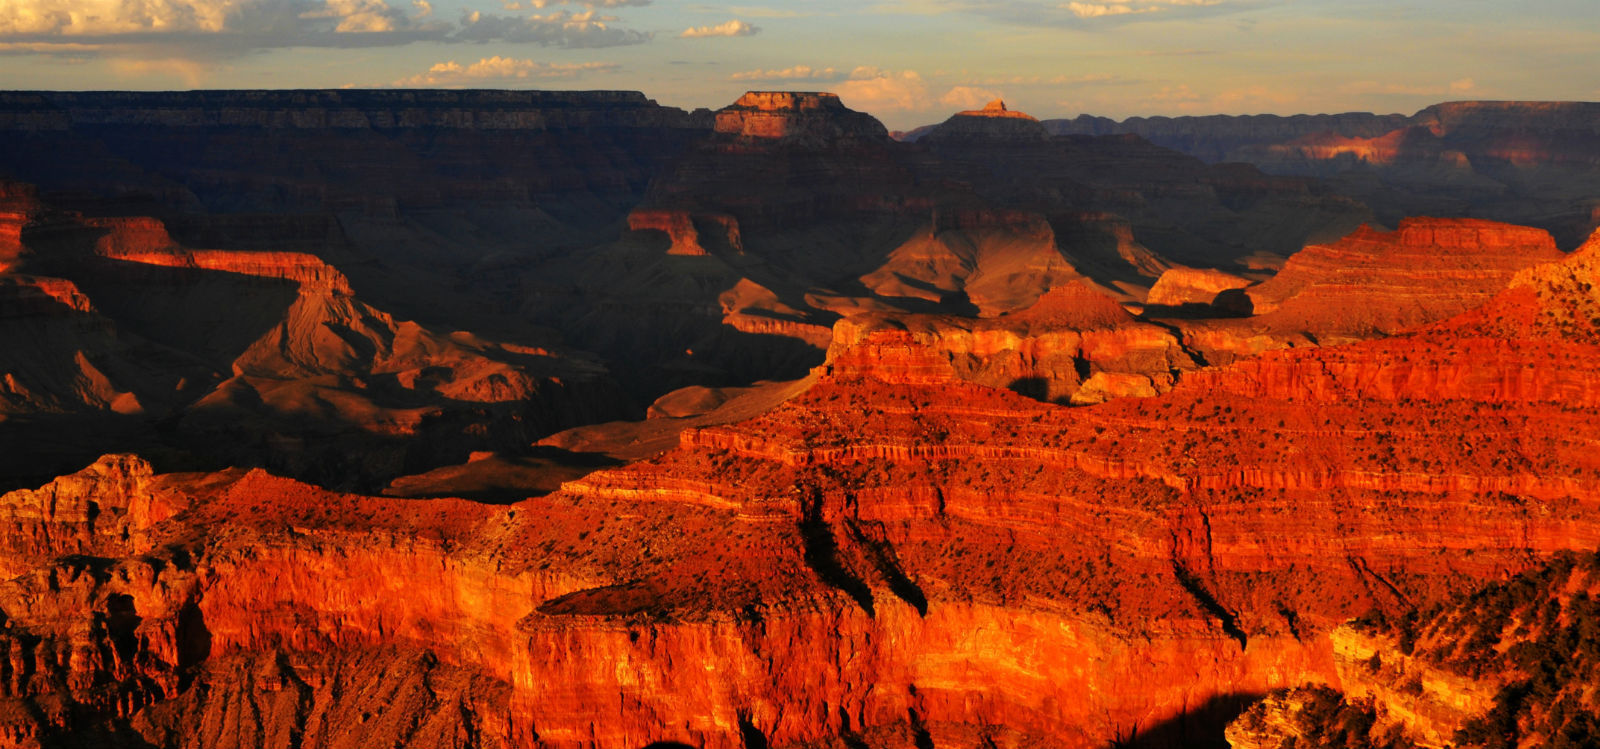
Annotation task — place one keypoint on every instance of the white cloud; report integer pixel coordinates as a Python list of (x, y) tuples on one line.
[(1098, 10), (78, 17), (874, 90), (561, 28), (1132, 7), (796, 73), (213, 30), (353, 16), (500, 70), (967, 98), (734, 27), (113, 17), (541, 4)]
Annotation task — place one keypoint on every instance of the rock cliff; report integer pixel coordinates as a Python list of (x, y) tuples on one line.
[(993, 122), (1524, 162), (1386, 282), (814, 117)]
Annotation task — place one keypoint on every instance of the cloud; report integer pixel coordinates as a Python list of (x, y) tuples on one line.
[(734, 27), (213, 30), (879, 91), (500, 70), (967, 98), (796, 73), (874, 90), (1133, 7), (103, 18), (562, 28), (542, 4), (1087, 14)]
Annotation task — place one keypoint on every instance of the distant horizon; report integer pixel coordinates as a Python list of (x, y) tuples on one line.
[(936, 116), (901, 60)]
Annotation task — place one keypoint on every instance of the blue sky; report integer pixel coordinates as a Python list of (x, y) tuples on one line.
[(907, 61)]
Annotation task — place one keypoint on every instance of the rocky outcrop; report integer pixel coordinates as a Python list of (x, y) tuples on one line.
[(1524, 162), (1216, 138), (1512, 664), (60, 355), (108, 509), (1524, 345), (1070, 337), (812, 117), (890, 550), (1201, 286), (683, 230), (994, 122), (341, 109), (1385, 282)]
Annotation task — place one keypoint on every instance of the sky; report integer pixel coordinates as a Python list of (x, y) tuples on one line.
[(908, 62)]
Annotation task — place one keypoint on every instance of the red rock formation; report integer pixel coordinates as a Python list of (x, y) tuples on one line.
[(1180, 286), (993, 122), (1385, 282), (60, 355), (796, 116), (1526, 162), (877, 549), (680, 228), (1050, 349), (1527, 344)]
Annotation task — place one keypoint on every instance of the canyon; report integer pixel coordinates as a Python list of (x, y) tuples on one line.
[(515, 419)]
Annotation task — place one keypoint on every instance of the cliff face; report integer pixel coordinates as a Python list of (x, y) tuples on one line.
[(1523, 345), (237, 348), (993, 122), (1522, 162), (1072, 344), (1385, 282), (918, 543), (870, 559), (1215, 138), (1512, 664), (780, 115)]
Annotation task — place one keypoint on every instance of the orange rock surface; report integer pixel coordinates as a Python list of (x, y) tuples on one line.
[(875, 555), (931, 456), (1388, 281), (783, 115)]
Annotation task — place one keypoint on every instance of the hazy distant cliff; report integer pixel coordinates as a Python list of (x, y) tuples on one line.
[(487, 110), (1518, 161)]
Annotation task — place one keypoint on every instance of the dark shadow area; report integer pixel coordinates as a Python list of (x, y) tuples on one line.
[(213, 315), (1236, 302), (752, 737), (949, 303), (822, 556), (1209, 603), (920, 737), (1196, 311), (870, 537), (113, 736), (121, 626), (1199, 728), (194, 642), (503, 479), (848, 735), (1037, 388)]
